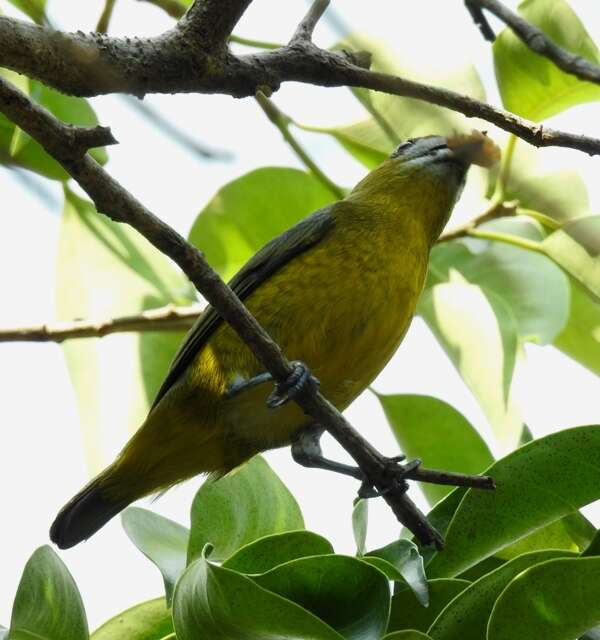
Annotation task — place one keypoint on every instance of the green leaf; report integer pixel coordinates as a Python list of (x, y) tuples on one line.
[(559, 598), (360, 522), (580, 339), (106, 270), (406, 635), (436, 433), (220, 604), (275, 549), (466, 617), (28, 153), (535, 485), (531, 85), (247, 504), (408, 613), (370, 142), (560, 193), (348, 594), (553, 536), (47, 605), (248, 212), (401, 561), (161, 540), (463, 317), (35, 9), (576, 247), (147, 621), (593, 549), (532, 286)]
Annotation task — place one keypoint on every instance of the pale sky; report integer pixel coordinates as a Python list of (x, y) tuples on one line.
[(43, 462)]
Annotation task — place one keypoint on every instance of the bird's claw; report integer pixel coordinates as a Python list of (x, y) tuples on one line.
[(297, 380)]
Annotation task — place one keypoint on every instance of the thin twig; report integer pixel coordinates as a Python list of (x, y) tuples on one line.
[(434, 476), (539, 42), (497, 209), (169, 318), (105, 16), (480, 20), (113, 200), (282, 122)]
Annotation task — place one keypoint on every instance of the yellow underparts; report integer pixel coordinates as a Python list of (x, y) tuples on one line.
[(342, 307)]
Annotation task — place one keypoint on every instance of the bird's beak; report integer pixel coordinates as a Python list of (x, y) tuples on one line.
[(475, 148)]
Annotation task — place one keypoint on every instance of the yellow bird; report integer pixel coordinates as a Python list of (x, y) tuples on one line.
[(337, 291)]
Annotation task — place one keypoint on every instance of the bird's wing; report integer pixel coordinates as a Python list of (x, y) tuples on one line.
[(274, 255)]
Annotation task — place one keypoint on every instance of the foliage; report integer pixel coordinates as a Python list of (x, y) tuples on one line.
[(517, 558)]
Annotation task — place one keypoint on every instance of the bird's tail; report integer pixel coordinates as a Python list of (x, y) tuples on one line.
[(87, 512)]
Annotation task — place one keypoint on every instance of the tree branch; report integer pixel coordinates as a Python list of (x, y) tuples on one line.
[(537, 40), (210, 22), (180, 61), (114, 201), (169, 318)]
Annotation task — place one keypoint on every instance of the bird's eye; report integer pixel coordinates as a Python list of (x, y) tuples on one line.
[(402, 147)]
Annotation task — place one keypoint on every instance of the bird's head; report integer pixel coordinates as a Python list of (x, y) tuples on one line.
[(425, 176)]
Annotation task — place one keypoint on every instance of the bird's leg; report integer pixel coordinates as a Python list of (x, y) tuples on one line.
[(306, 450), (284, 391), (239, 385)]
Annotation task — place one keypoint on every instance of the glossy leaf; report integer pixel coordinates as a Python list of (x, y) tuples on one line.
[(479, 333), (580, 339), (535, 485), (408, 613), (424, 426), (466, 617), (576, 248), (247, 504), (411, 634), (559, 598), (401, 560), (47, 605), (534, 288), (221, 604), (147, 621), (559, 193), (27, 153), (272, 550), (348, 594), (106, 270), (161, 540), (248, 212), (360, 522), (531, 85)]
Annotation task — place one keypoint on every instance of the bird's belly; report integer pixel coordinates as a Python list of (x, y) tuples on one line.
[(345, 348)]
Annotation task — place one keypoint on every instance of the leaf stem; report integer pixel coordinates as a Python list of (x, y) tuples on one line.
[(500, 191), (282, 122), (105, 16), (507, 238)]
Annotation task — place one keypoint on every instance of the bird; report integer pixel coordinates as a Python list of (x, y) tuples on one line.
[(337, 292)]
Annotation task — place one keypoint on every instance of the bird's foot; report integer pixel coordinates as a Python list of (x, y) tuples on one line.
[(298, 380), (395, 474)]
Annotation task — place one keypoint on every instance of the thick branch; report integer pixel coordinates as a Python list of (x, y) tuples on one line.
[(168, 318), (538, 41), (113, 200), (95, 64)]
